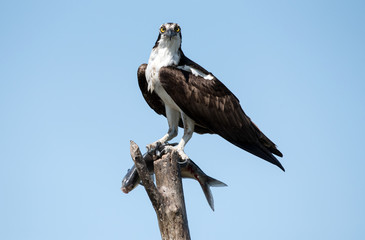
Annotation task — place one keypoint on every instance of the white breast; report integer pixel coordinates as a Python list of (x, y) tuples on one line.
[(162, 56)]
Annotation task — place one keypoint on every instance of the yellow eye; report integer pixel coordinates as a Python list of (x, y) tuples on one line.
[(162, 29), (177, 29)]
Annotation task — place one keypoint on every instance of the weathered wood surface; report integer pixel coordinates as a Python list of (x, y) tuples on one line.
[(167, 196)]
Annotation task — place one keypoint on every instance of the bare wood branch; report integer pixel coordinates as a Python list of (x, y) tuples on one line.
[(173, 220), (168, 197), (144, 174)]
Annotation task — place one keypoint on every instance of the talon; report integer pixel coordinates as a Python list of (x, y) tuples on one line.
[(151, 148), (183, 162), (183, 157), (158, 153), (167, 149)]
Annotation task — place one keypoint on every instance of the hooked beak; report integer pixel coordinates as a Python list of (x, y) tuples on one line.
[(170, 33)]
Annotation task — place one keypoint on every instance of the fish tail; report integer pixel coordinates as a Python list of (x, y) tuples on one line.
[(208, 194), (215, 183), (206, 184)]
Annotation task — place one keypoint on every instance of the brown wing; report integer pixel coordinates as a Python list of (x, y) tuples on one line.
[(152, 99), (155, 102), (212, 105)]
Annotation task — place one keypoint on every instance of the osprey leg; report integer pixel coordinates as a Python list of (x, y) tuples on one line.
[(188, 133), (173, 117)]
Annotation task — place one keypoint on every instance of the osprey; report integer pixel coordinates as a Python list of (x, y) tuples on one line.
[(193, 98)]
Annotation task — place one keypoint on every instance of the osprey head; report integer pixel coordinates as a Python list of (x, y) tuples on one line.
[(169, 33)]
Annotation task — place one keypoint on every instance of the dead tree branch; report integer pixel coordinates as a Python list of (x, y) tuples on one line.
[(144, 174), (168, 197)]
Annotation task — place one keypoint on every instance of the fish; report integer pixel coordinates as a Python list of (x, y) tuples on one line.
[(130, 180), (188, 169)]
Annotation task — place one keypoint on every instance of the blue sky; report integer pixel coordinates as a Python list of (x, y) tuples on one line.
[(70, 104)]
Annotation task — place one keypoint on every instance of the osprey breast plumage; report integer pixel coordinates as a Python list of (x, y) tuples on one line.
[(193, 98)]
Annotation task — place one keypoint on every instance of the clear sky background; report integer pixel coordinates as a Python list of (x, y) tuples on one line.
[(70, 104)]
